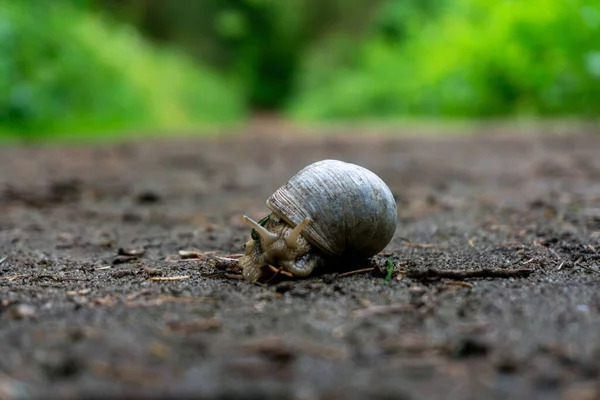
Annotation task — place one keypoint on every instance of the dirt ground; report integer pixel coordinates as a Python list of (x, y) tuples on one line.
[(84, 313)]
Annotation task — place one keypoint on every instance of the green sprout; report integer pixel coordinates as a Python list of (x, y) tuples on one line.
[(390, 270)]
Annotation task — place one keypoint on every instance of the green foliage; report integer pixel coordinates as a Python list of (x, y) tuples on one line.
[(461, 58), (65, 70), (258, 43)]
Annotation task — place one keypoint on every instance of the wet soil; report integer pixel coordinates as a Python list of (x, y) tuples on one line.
[(88, 234)]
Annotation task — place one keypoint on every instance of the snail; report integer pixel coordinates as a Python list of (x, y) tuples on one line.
[(328, 209)]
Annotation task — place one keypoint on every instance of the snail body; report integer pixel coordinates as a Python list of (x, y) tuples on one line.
[(329, 209)]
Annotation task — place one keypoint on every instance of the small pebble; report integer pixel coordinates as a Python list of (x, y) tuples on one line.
[(152, 271), (21, 311), (582, 308)]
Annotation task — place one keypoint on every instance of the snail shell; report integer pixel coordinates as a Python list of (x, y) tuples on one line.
[(351, 210)]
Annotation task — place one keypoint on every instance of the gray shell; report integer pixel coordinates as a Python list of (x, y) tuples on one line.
[(352, 210)]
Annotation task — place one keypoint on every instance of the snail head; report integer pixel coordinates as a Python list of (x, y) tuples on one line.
[(276, 243)]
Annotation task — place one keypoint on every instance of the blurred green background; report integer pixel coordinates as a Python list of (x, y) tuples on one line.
[(93, 68)]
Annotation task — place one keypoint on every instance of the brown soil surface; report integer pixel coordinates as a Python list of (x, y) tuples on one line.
[(78, 320)]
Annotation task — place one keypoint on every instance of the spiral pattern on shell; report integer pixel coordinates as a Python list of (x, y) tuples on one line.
[(352, 210)]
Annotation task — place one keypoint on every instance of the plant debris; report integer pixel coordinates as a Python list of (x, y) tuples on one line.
[(433, 273)]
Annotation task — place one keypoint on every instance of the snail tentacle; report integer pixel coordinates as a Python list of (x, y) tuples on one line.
[(292, 239), (268, 237)]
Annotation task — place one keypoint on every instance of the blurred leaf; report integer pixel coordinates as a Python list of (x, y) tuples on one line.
[(231, 24), (67, 70), (593, 63), (464, 58)]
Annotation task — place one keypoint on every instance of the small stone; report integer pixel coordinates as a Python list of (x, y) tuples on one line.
[(131, 252), (21, 311), (583, 308), (152, 271)]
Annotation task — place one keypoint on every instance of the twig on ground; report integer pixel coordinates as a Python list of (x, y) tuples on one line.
[(589, 268), (187, 254), (13, 277), (276, 272), (233, 276), (80, 292), (170, 278), (554, 253), (358, 271), (104, 301), (236, 255), (425, 245), (135, 295), (3, 259), (433, 273), (230, 259), (459, 283), (280, 271), (226, 265)]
